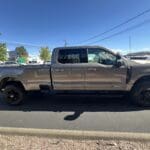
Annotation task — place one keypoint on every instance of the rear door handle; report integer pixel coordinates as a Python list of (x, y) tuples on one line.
[(91, 69)]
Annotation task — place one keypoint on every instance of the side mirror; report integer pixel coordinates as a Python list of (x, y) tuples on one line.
[(118, 56), (119, 63)]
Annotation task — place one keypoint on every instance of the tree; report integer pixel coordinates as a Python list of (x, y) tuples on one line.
[(3, 52), (45, 54), (22, 54), (21, 51)]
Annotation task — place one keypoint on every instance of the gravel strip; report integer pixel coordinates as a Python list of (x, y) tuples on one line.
[(8, 142)]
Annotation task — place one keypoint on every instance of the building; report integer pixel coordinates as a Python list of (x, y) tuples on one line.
[(12, 55)]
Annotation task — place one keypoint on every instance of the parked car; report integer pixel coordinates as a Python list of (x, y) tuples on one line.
[(85, 68), (33, 62), (141, 59), (48, 62), (1, 63), (10, 63)]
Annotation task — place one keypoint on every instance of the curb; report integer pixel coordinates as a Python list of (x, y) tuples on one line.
[(76, 134)]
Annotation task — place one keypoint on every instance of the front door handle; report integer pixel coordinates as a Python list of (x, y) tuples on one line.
[(59, 70), (91, 69)]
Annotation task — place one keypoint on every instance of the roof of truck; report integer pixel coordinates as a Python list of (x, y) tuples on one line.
[(76, 47)]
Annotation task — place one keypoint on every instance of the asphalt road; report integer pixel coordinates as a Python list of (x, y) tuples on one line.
[(77, 112)]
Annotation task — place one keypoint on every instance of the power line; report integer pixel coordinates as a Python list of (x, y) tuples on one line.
[(19, 43), (117, 26), (123, 31)]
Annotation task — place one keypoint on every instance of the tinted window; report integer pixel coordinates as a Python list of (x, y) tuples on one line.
[(101, 56), (72, 56)]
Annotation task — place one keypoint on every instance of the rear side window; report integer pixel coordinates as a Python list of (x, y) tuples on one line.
[(72, 56)]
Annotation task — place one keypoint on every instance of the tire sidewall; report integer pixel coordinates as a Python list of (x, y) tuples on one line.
[(136, 93), (16, 89)]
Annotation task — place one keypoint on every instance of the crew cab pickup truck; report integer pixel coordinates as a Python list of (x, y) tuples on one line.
[(84, 68)]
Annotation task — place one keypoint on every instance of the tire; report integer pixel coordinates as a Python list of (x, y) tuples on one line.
[(140, 94), (13, 95)]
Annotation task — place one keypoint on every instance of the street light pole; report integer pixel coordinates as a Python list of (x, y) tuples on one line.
[(65, 44), (130, 46)]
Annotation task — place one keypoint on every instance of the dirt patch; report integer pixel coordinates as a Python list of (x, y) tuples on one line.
[(42, 143)]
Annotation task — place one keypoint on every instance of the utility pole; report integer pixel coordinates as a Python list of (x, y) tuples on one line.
[(130, 44), (65, 43)]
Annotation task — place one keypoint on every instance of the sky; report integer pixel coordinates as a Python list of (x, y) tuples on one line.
[(50, 22)]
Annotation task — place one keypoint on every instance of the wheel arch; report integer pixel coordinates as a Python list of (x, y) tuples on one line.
[(11, 81), (141, 79)]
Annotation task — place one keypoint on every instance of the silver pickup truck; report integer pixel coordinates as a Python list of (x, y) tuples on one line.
[(84, 68)]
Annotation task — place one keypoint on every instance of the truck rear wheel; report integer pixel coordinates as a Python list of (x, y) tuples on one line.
[(13, 94), (140, 94)]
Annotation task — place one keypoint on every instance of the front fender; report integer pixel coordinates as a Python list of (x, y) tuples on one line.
[(139, 78)]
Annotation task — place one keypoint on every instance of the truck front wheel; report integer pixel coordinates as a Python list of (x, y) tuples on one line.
[(140, 94), (13, 94)]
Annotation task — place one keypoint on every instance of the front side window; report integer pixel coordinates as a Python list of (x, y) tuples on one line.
[(72, 56), (101, 56)]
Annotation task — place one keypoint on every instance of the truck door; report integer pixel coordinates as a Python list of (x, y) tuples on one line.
[(101, 72), (69, 72)]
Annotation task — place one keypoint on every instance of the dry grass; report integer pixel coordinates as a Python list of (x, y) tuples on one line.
[(42, 143)]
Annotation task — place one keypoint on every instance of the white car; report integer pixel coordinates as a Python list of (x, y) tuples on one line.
[(141, 59)]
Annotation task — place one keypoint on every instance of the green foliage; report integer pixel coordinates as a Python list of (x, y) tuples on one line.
[(21, 52), (21, 60), (3, 52), (45, 54)]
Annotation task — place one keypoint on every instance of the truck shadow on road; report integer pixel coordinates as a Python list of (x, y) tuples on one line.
[(73, 103)]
